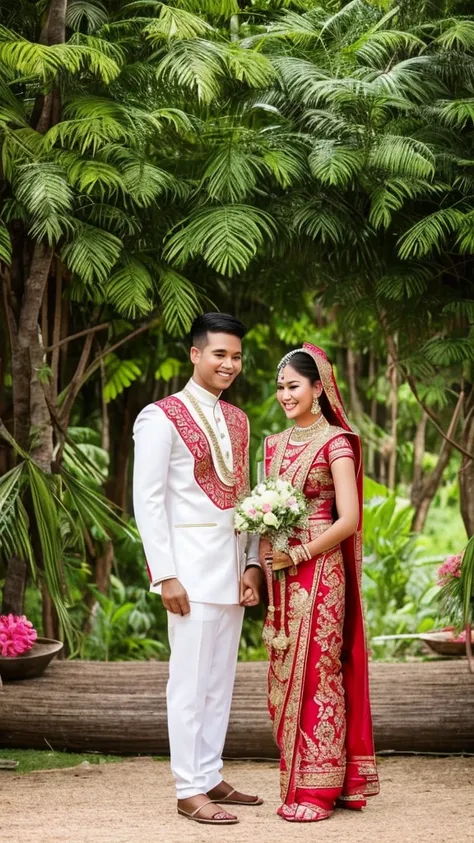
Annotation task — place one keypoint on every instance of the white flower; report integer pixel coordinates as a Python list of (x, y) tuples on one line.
[(271, 520), (239, 522), (248, 504), (271, 497)]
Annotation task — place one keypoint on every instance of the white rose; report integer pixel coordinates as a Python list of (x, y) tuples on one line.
[(271, 497), (271, 520)]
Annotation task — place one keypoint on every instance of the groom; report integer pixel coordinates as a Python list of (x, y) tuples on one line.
[(191, 464)]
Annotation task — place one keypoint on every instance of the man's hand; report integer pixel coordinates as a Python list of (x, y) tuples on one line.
[(174, 597), (250, 586)]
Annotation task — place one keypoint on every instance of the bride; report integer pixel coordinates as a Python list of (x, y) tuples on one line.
[(314, 632)]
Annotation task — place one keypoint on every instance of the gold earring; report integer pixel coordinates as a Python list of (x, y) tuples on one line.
[(315, 406)]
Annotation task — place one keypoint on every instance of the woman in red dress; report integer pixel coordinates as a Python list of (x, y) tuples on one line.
[(314, 631)]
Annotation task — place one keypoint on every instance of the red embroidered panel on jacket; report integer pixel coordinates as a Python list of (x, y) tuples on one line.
[(224, 497)]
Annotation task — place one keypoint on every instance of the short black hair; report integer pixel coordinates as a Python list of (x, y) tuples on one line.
[(305, 366), (215, 323)]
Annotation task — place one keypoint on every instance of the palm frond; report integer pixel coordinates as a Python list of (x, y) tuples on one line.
[(322, 222), (5, 245), (89, 13), (404, 282), (377, 48), (446, 351), (248, 66), (43, 190), (92, 253), (430, 233), (119, 375), (196, 65), (232, 172), (29, 59), (129, 289), (97, 177), (333, 163), (145, 182), (410, 78), (227, 237), (400, 155), (179, 299), (458, 36), (173, 22), (49, 532), (389, 197), (87, 134), (456, 113), (14, 538)]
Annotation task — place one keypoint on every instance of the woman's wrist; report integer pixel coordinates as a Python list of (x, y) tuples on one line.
[(299, 553)]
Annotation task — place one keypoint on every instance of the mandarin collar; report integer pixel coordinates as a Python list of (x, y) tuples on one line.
[(202, 395)]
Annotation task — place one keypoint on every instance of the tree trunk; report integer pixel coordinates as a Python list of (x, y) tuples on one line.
[(14, 588), (103, 567), (121, 707), (424, 489), (373, 412), (393, 402), (466, 474), (355, 402)]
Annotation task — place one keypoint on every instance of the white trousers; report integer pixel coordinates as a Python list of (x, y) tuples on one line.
[(204, 647)]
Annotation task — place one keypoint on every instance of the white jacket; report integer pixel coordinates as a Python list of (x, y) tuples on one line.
[(184, 510)]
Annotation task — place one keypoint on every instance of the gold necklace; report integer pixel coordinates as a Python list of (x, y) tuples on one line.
[(226, 474), (304, 434)]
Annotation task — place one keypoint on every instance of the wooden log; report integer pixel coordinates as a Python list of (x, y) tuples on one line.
[(119, 707)]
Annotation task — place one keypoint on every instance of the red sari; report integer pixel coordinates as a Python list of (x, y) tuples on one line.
[(314, 632)]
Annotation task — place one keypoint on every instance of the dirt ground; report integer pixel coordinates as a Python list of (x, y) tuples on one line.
[(423, 799)]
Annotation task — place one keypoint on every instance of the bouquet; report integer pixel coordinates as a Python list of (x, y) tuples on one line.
[(274, 509), (17, 635)]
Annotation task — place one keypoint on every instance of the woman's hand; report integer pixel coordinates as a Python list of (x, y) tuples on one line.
[(281, 561), (264, 551)]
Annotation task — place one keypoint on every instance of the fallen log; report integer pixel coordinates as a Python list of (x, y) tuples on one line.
[(119, 707)]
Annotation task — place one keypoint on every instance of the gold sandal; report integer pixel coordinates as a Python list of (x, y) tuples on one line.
[(220, 818)]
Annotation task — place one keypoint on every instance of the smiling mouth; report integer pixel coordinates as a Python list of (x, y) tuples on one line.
[(290, 406), (225, 374)]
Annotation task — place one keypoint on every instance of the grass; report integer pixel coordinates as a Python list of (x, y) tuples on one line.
[(47, 759)]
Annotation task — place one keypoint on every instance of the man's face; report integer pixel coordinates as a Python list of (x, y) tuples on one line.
[(218, 362)]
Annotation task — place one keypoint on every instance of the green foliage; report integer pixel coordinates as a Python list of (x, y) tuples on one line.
[(397, 576), (120, 626)]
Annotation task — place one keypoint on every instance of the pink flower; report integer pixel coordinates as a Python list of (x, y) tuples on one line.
[(290, 502), (252, 512), (451, 567), (266, 507), (17, 635)]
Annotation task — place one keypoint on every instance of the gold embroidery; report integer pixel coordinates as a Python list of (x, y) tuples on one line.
[(223, 496)]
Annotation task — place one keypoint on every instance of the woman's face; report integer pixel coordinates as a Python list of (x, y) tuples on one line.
[(295, 393)]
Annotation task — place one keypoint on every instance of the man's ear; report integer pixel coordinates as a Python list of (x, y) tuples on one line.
[(194, 355)]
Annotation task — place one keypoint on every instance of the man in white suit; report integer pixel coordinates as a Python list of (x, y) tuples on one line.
[(191, 464)]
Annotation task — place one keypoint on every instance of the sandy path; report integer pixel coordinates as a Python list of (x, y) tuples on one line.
[(422, 799)]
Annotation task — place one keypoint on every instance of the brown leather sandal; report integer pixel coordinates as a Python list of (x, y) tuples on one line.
[(229, 801), (220, 818)]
